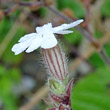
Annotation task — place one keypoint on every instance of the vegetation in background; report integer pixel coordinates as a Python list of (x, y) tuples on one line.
[(92, 92)]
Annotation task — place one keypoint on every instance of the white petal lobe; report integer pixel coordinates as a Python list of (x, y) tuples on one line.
[(27, 37), (64, 32), (18, 48), (36, 43), (25, 43), (66, 26), (49, 39), (73, 24)]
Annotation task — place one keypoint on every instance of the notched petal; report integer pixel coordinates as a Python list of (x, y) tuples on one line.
[(66, 26), (36, 43), (18, 48), (27, 37), (65, 32)]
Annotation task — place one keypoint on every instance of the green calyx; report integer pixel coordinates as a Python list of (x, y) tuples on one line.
[(56, 87)]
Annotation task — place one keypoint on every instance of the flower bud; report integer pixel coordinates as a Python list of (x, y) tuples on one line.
[(56, 87)]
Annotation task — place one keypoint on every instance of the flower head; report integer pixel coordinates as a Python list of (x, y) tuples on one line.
[(44, 37)]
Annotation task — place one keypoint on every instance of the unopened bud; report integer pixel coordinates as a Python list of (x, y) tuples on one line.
[(56, 87)]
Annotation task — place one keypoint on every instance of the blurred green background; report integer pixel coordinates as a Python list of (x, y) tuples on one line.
[(22, 75)]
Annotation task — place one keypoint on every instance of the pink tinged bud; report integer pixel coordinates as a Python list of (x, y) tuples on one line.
[(68, 92), (69, 87), (56, 62), (61, 107), (57, 99), (64, 107)]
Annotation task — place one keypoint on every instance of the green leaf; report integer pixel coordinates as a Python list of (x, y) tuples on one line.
[(2, 70), (14, 75), (43, 11), (92, 92), (74, 38), (8, 55), (105, 9), (96, 60), (98, 34), (107, 49), (74, 5), (8, 77), (10, 102), (5, 25)]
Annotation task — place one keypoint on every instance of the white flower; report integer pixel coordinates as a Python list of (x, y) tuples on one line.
[(44, 37)]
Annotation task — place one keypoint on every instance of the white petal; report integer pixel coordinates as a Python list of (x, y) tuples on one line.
[(28, 36), (50, 43), (66, 26), (24, 43), (64, 32), (20, 47), (49, 39), (40, 29), (36, 43)]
